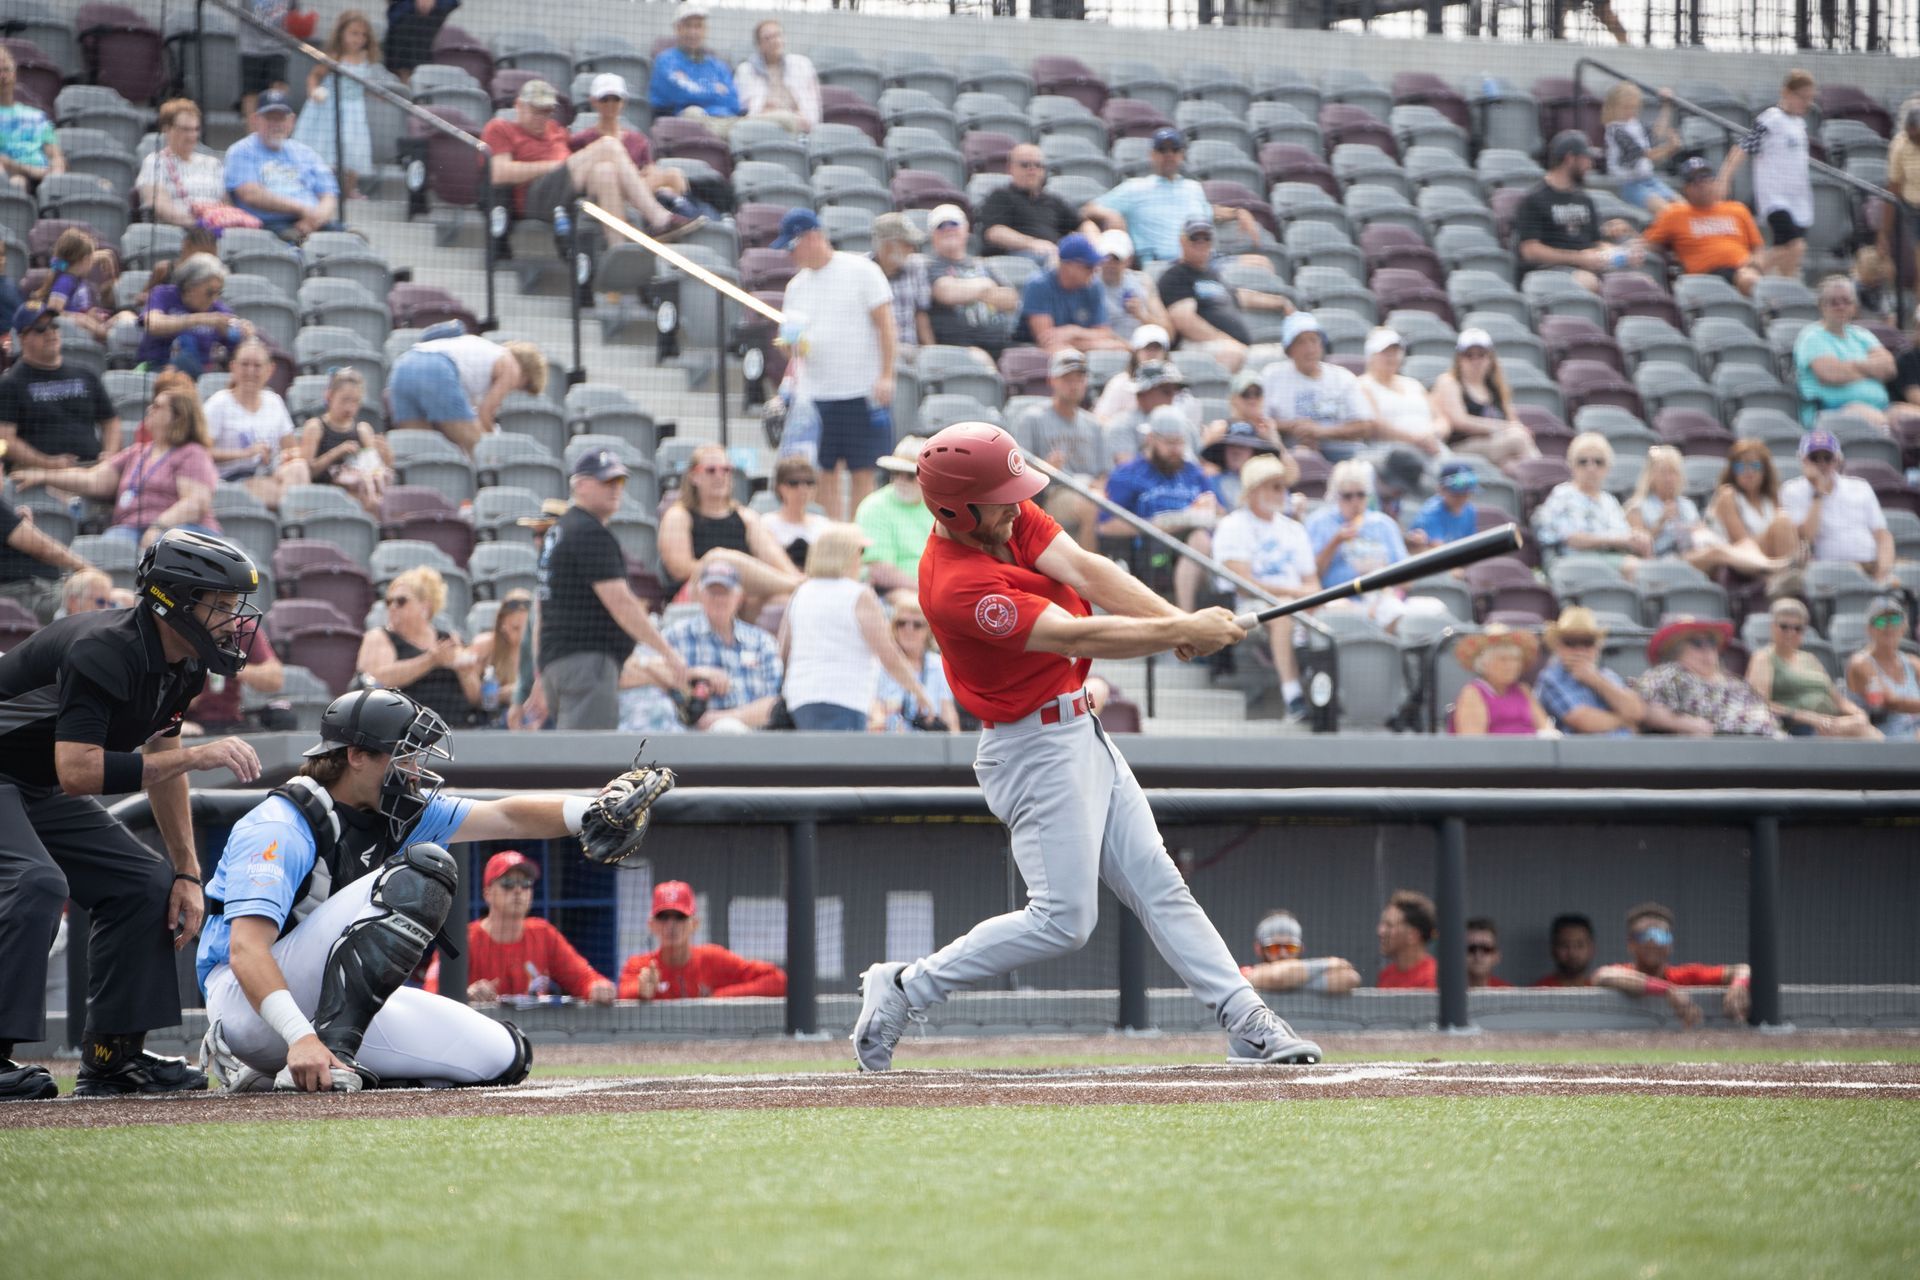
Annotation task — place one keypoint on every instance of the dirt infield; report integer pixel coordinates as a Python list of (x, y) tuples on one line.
[(1086, 1085)]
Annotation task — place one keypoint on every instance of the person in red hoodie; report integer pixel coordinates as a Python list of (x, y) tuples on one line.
[(1405, 929), (1483, 953), (511, 954), (678, 970)]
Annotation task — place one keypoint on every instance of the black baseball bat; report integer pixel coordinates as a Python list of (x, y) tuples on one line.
[(1494, 542)]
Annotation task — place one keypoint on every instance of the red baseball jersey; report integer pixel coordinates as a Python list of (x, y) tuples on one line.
[(1555, 980), (1493, 982), (1424, 976), (709, 971), (1694, 975), (505, 963), (981, 608)]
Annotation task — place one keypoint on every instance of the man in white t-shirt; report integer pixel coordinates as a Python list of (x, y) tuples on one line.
[(839, 310), (1782, 184), (1259, 543), (1312, 402), (1838, 515)]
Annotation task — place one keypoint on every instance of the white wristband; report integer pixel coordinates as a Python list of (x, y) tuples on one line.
[(280, 1012), (573, 811)]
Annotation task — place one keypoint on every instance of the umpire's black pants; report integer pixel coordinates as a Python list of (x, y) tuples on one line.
[(54, 847)]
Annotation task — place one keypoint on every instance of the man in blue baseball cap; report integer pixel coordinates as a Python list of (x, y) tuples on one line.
[(279, 180), (1066, 308), (1154, 207), (1448, 515)]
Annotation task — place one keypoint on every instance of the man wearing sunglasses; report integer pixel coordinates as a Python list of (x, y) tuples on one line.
[(52, 414), (1838, 515), (1206, 311), (1581, 695), (1282, 966), (1152, 208), (1483, 953), (1650, 944), (1024, 217), (513, 953)]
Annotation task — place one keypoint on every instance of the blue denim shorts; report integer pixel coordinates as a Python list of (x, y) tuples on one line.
[(424, 386), (1641, 190)]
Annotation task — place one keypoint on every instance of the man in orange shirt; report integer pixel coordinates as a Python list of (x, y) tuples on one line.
[(1405, 929), (678, 970), (1710, 236), (1483, 953), (510, 954), (1650, 943)]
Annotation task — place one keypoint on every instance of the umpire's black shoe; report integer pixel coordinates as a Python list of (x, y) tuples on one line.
[(25, 1084), (141, 1072)]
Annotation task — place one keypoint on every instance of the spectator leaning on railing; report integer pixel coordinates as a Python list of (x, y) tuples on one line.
[(1281, 966), (1782, 181), (455, 385)]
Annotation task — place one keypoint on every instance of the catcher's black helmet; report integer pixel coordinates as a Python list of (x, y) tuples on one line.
[(181, 570), (390, 723)]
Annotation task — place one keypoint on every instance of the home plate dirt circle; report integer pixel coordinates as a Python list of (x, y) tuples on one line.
[(1076, 1086)]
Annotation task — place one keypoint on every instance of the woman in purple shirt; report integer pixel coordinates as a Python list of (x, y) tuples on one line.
[(1497, 700)]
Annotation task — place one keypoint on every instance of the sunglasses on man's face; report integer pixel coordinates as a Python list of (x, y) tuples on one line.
[(1820, 459), (909, 624), (1481, 948), (1578, 642), (514, 884), (801, 484)]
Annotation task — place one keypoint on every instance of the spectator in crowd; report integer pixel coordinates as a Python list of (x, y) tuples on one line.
[(1247, 406), (1023, 217), (1796, 685), (52, 414), (1904, 390), (78, 283), (834, 641), (1133, 300), (1570, 939), (88, 591), (1155, 206), (1708, 234), (895, 521), (352, 44), (1837, 515), (1745, 507), (1633, 156), (1156, 385), (29, 149), (1782, 183), (1281, 966), (251, 428), (794, 525), (187, 326), (607, 92), (413, 654), (1399, 404), (839, 311), (1405, 928), (1120, 397), (534, 157), (1166, 487), (164, 484), (1064, 307), (1689, 682), (513, 953), (219, 710), (689, 79), (896, 708), (1231, 447), (1474, 400), (1660, 508), (733, 665), (31, 563), (1206, 312), (896, 242), (411, 28), (1841, 366), (651, 701), (263, 60), (1649, 973), (496, 651), (589, 617), (708, 525), (968, 307), (1580, 515), (1483, 953), (1260, 543), (1883, 677), (1315, 403), (1903, 179), (1450, 514), (1062, 431), (1497, 700), (1581, 695), (776, 85), (1349, 539), (341, 448), (278, 180), (455, 385), (679, 970), (178, 183), (1557, 226)]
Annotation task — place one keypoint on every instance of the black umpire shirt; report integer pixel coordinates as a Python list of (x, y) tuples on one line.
[(101, 679), (580, 552)]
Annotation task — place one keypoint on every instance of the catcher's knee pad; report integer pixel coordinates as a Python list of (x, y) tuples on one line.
[(376, 954), (522, 1063)]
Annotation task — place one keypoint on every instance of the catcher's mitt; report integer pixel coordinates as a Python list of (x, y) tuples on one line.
[(616, 822)]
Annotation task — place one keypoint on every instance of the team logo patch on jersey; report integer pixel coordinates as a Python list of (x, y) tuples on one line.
[(996, 615), (1016, 464)]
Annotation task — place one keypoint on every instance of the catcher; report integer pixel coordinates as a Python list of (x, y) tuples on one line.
[(331, 890)]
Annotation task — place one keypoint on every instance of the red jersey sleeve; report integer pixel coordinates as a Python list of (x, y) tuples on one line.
[(725, 975), (630, 974), (1697, 975), (559, 961)]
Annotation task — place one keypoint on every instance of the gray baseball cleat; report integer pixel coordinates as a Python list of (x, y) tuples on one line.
[(1264, 1037), (224, 1067), (884, 1015)]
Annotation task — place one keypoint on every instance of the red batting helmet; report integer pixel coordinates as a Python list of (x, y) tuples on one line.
[(973, 462)]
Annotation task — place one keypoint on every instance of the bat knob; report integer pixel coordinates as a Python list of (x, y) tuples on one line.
[(1246, 621)]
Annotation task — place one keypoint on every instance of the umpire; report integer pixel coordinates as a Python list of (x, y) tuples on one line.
[(91, 705)]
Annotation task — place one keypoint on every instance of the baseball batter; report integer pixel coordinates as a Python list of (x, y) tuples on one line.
[(1007, 594)]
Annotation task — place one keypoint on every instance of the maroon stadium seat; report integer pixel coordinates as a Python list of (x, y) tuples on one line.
[(1132, 118), (1070, 78), (986, 151), (124, 51), (1561, 109), (455, 47), (1578, 338), (687, 138), (1585, 382), (1291, 162), (1694, 432), (840, 105), (918, 189), (1424, 89)]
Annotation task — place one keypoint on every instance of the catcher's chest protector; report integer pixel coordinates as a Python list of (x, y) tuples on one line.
[(347, 844)]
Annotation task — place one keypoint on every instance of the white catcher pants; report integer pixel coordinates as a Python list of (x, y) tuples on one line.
[(417, 1036), (1077, 817)]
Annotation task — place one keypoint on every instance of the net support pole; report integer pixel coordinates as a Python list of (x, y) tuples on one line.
[(1763, 923), (803, 968), (1450, 905), (1133, 972)]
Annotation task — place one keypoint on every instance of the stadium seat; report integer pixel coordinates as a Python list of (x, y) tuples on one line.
[(991, 73), (1059, 75)]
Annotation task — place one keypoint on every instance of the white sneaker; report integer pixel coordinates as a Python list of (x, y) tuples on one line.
[(884, 1015), (225, 1069), (1264, 1037), (344, 1081)]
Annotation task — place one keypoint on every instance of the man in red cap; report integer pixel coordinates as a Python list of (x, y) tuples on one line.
[(512, 954), (679, 970), (1007, 594)]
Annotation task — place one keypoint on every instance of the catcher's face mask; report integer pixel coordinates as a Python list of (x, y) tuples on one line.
[(410, 784)]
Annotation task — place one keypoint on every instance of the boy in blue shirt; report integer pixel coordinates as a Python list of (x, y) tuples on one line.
[(1448, 515)]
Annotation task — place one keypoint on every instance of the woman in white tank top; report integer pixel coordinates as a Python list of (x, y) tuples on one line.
[(1400, 404), (834, 640), (1745, 509)]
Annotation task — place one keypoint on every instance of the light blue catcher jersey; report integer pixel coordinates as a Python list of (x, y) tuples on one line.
[(268, 855)]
